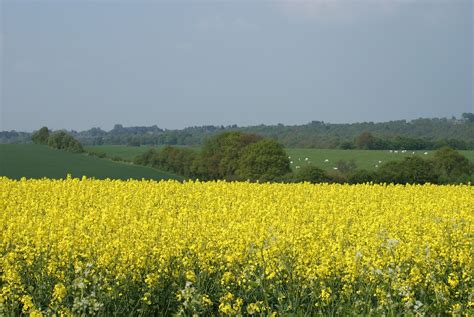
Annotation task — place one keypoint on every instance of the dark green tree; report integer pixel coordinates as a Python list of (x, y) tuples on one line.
[(220, 155), (362, 176), (452, 165), (411, 170), (311, 174), (41, 136), (63, 141), (366, 141), (264, 160), (468, 116)]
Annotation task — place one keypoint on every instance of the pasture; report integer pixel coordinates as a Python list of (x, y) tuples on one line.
[(364, 159), (37, 161)]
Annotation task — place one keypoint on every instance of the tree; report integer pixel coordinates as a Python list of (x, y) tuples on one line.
[(41, 136), (468, 116), (63, 141), (412, 170), (220, 155), (451, 165), (264, 160), (311, 174), (361, 176), (365, 141)]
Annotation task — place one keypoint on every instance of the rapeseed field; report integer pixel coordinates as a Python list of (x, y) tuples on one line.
[(110, 247)]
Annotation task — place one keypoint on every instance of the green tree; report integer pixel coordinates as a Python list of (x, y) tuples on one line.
[(362, 176), (451, 165), (63, 141), (468, 116), (221, 154), (366, 141), (412, 170), (311, 174), (264, 160), (41, 136)]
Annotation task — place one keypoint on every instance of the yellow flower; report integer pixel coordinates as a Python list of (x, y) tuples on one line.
[(59, 292)]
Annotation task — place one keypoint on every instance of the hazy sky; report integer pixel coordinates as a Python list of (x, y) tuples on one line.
[(81, 64)]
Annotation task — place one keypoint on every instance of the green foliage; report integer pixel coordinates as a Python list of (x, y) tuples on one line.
[(362, 176), (41, 136), (229, 156), (176, 160), (366, 141), (426, 134), (220, 155), (412, 170), (63, 141), (311, 174), (263, 160), (451, 165), (468, 117)]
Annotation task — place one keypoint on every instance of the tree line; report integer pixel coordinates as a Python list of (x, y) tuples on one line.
[(416, 134), (239, 156), (60, 140)]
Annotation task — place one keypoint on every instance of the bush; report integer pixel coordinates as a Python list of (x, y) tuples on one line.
[(220, 155), (412, 170), (362, 176), (311, 174), (41, 136), (452, 166), (264, 160), (63, 141)]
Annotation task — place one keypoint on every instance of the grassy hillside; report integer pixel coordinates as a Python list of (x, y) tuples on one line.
[(363, 158), (36, 161)]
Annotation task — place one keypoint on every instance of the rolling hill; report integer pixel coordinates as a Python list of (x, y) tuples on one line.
[(37, 161)]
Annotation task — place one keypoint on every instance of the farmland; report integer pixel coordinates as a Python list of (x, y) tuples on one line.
[(161, 248), (363, 158), (37, 161), (366, 159)]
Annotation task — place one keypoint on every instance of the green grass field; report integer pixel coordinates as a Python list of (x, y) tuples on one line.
[(363, 158), (37, 161)]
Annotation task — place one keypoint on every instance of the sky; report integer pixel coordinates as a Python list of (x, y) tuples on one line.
[(82, 64)]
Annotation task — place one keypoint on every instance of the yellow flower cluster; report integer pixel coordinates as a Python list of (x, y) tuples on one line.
[(84, 246)]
